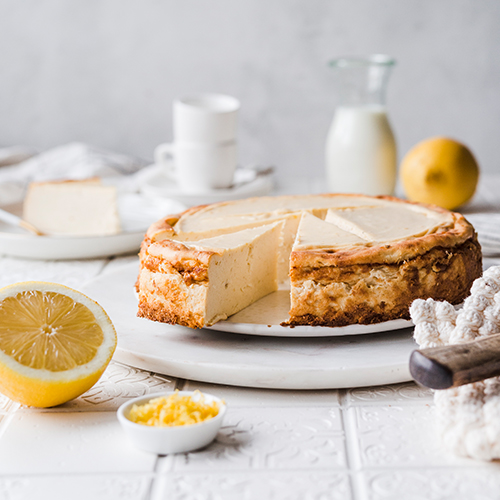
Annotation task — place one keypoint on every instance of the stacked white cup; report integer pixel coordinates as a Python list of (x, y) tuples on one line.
[(205, 150)]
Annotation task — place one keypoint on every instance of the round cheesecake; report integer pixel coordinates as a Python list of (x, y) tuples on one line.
[(347, 259)]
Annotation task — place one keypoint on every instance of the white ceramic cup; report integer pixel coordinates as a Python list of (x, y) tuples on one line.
[(205, 118), (199, 167)]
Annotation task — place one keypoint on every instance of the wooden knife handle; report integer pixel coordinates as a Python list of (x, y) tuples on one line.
[(458, 364)]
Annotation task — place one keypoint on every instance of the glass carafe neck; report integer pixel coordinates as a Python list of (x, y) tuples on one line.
[(362, 81)]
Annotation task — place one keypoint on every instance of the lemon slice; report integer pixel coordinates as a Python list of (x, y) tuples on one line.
[(55, 343)]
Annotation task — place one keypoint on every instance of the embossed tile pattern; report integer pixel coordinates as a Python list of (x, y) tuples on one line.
[(273, 438), (434, 484), (76, 487), (398, 436), (322, 485), (389, 394), (118, 384), (84, 442)]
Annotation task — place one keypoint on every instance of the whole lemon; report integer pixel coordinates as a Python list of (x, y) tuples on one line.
[(440, 171)]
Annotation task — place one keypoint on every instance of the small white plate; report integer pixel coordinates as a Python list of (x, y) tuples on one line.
[(176, 439), (158, 184), (137, 213)]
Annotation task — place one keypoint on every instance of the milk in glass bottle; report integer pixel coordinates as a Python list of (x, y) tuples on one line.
[(361, 154)]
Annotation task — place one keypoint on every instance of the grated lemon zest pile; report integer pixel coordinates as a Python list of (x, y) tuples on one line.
[(174, 410)]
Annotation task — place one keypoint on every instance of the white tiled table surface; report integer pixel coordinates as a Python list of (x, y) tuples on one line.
[(366, 443)]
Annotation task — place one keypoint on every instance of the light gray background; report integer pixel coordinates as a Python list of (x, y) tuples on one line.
[(105, 71)]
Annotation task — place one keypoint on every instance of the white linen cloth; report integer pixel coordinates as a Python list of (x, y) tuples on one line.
[(484, 214), (70, 161), (19, 167), (487, 226), (468, 417)]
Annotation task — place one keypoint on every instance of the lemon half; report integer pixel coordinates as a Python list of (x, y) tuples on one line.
[(55, 343), (440, 171)]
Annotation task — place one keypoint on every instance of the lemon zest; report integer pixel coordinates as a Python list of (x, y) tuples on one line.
[(174, 410)]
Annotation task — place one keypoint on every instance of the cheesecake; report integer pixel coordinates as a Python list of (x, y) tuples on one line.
[(72, 207), (346, 259)]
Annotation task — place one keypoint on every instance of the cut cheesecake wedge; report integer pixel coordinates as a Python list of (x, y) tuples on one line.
[(199, 283), (72, 207)]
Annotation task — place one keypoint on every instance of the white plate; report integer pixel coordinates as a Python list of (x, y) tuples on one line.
[(265, 316), (158, 184), (137, 212), (248, 360)]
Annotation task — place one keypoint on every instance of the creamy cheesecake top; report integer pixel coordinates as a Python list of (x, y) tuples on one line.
[(326, 221)]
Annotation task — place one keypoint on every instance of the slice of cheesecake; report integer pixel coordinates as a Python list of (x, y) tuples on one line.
[(199, 283), (314, 233), (72, 207), (389, 222)]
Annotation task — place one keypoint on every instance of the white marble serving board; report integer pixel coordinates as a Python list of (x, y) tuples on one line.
[(248, 360)]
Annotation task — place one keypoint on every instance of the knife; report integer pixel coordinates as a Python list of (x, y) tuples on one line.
[(457, 364)]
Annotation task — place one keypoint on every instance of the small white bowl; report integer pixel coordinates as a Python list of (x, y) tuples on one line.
[(175, 439)]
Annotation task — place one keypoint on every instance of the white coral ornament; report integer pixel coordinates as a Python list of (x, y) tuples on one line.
[(468, 416)]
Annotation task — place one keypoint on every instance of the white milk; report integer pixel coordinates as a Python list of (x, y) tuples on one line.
[(361, 154)]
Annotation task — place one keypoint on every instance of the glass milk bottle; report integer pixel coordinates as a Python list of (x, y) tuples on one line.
[(361, 155)]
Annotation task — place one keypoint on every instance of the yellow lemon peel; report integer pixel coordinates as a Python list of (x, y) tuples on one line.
[(440, 171)]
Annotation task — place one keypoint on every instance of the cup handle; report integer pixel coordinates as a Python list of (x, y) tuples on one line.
[(165, 151)]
